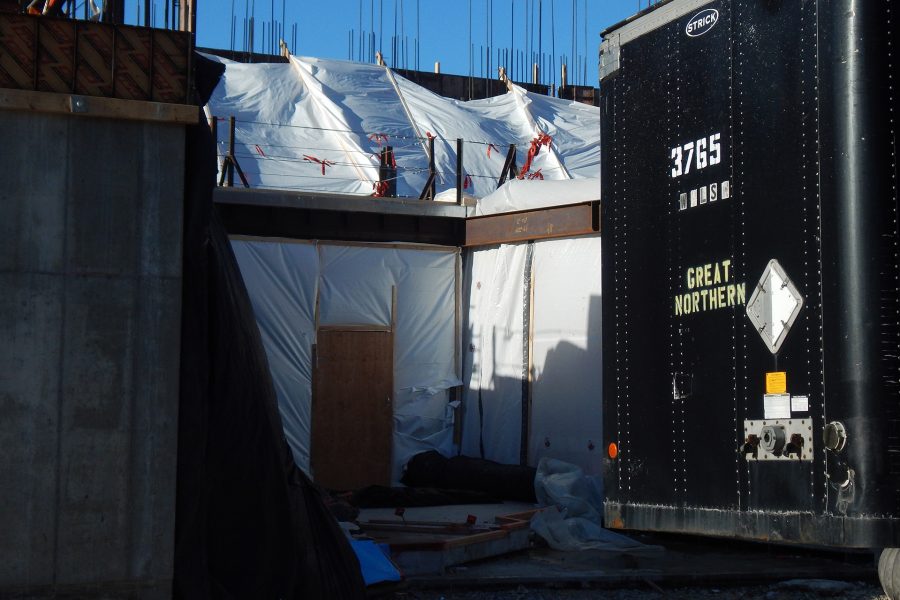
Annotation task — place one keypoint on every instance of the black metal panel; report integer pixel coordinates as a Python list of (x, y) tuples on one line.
[(789, 99), (675, 426), (860, 248), (774, 119), (305, 223)]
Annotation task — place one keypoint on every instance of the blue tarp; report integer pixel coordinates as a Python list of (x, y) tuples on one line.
[(374, 562)]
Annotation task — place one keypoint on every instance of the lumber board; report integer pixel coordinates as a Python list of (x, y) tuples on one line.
[(517, 520), (461, 530), (92, 106), (435, 557), (477, 538)]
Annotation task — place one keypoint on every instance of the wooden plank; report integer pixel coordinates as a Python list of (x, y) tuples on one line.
[(525, 515), (545, 223), (434, 557), (511, 541), (485, 536), (394, 307), (352, 408), (408, 522), (460, 529), (517, 520), (104, 108)]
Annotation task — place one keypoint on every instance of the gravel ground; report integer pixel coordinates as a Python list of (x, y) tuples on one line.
[(793, 590)]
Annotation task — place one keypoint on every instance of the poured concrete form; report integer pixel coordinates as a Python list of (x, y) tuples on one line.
[(90, 273)]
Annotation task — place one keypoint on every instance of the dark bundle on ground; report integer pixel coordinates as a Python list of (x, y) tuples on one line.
[(509, 482)]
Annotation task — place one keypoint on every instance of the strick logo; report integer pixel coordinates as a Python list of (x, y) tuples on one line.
[(702, 22)]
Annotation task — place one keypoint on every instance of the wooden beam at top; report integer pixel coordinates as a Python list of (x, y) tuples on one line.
[(188, 17), (540, 224), (94, 106)]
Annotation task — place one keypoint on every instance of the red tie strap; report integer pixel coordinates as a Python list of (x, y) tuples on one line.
[(323, 162), (541, 140)]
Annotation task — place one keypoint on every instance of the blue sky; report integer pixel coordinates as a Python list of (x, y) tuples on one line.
[(324, 26)]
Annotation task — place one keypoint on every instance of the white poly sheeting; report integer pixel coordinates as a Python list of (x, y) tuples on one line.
[(354, 286), (566, 405), (494, 353), (564, 323), (282, 281), (576, 522), (525, 194), (334, 111)]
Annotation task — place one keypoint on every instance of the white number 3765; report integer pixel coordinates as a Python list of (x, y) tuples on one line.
[(696, 153)]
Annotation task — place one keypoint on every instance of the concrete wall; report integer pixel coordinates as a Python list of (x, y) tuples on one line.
[(90, 298)]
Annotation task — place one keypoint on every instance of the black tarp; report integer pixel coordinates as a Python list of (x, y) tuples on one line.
[(249, 523), (432, 470)]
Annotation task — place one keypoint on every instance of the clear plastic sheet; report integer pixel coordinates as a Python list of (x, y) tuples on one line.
[(574, 520)]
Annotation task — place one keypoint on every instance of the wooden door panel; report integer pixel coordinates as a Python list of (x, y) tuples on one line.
[(352, 409)]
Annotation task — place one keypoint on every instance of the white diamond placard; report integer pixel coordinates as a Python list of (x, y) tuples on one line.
[(774, 305)]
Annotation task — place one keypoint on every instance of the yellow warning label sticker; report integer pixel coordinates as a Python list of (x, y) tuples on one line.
[(776, 382)]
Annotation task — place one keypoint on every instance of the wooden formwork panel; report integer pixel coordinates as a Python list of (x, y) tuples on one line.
[(94, 59), (134, 48), (171, 55), (55, 56), (17, 56)]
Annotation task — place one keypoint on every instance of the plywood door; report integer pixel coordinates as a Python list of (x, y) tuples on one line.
[(352, 412)]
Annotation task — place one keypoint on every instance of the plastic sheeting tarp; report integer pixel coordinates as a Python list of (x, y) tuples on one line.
[(575, 522), (525, 194), (566, 405), (374, 561), (282, 280), (493, 363), (557, 303), (354, 286), (318, 125)]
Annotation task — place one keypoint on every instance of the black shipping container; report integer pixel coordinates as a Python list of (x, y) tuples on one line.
[(750, 271)]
